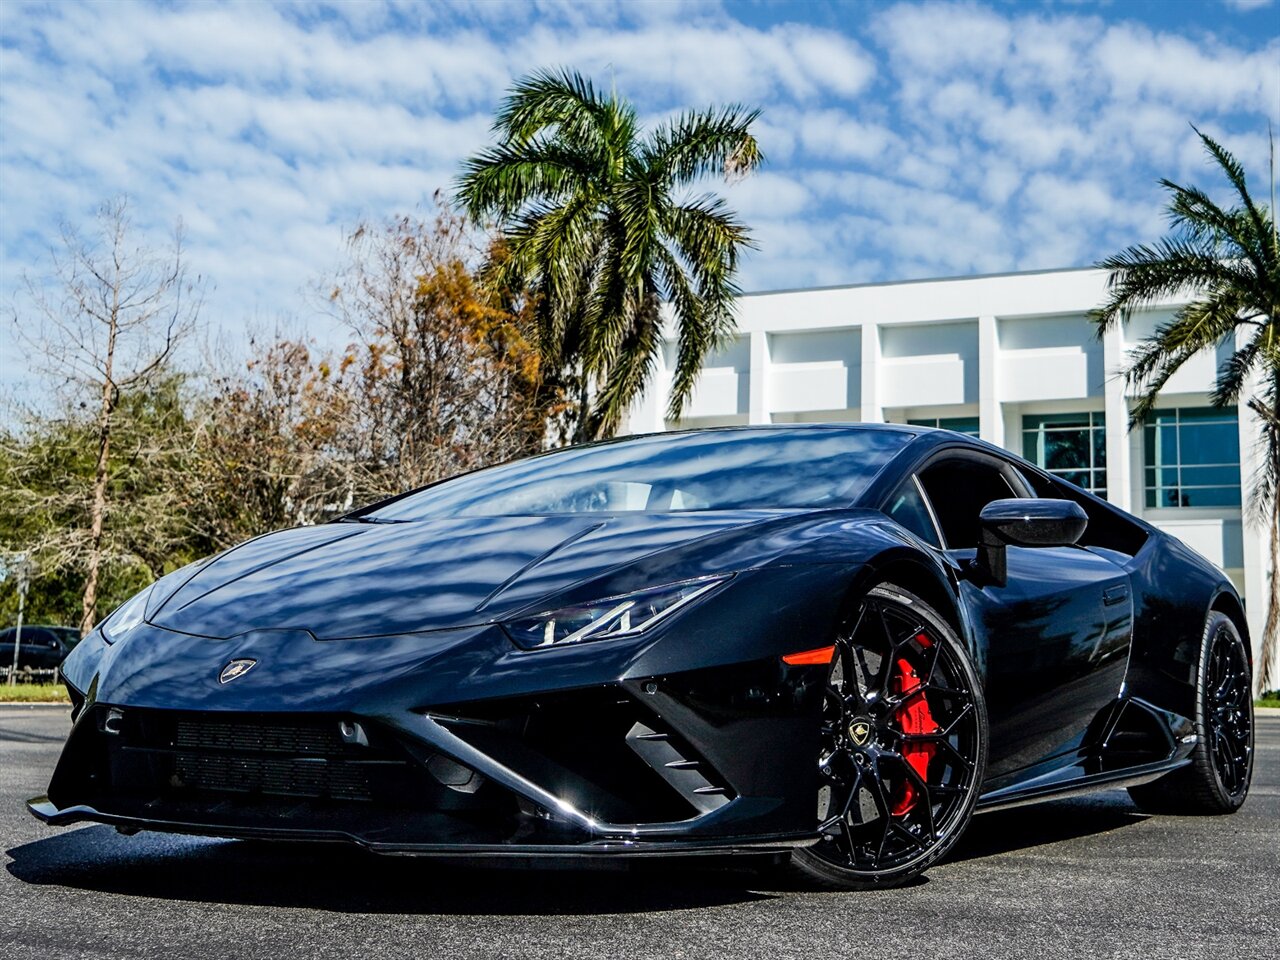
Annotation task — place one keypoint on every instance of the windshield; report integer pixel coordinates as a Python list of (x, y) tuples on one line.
[(707, 470)]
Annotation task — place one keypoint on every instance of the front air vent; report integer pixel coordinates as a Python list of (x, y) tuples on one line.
[(1137, 737), (674, 762)]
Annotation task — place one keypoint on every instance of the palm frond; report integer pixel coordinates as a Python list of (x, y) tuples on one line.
[(703, 315), (567, 104), (708, 236), (703, 143), (1147, 274), (499, 180), (1235, 173), (1234, 374), (636, 359), (1265, 482), (1230, 233)]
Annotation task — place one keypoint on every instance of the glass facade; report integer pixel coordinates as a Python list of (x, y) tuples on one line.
[(1192, 458), (1072, 446), (965, 425)]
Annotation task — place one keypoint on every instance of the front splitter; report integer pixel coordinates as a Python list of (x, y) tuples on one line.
[(45, 810)]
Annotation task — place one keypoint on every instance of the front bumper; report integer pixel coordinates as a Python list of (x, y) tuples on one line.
[(697, 740), (592, 772)]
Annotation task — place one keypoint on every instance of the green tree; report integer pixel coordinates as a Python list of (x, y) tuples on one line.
[(1227, 260), (47, 499), (600, 220)]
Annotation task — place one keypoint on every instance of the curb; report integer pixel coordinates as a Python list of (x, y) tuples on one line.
[(48, 704)]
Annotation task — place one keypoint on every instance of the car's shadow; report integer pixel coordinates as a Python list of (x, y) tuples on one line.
[(345, 879), (1054, 821), (339, 878)]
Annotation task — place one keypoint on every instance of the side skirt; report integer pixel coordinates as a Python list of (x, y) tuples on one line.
[(1139, 742), (1034, 793)]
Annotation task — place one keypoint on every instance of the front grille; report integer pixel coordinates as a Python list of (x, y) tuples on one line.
[(279, 757), (309, 738), (272, 776), (171, 754), (234, 774)]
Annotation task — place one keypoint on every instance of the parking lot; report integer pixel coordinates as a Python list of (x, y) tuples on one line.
[(1088, 877)]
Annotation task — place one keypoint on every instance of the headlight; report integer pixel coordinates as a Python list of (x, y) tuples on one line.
[(625, 615), (126, 616)]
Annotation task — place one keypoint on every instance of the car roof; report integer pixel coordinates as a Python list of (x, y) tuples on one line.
[(851, 425)]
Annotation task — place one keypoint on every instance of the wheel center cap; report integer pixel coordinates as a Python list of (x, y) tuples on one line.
[(860, 731)]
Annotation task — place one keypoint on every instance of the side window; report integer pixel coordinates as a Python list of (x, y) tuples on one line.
[(36, 637), (958, 490), (907, 507)]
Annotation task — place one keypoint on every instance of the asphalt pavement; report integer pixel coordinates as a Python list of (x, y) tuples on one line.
[(1088, 877)]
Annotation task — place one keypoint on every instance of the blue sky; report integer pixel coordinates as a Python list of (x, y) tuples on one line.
[(903, 139)]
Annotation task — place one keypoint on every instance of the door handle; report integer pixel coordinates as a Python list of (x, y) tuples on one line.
[(1113, 595)]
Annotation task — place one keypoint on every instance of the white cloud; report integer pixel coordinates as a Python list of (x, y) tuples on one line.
[(1196, 75), (768, 195), (919, 139)]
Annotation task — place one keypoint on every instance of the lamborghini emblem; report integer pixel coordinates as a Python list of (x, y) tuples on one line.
[(859, 732), (236, 668)]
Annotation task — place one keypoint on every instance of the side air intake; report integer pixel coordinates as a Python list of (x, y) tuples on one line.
[(685, 775)]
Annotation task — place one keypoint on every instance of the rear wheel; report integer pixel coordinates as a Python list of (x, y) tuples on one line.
[(903, 748), (1217, 779)]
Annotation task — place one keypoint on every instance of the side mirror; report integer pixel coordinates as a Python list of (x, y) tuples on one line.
[(1026, 523)]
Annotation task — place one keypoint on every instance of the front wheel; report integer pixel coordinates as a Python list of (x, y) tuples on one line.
[(903, 747)]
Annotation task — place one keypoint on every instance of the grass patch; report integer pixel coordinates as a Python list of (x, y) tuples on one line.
[(1271, 699), (33, 693)]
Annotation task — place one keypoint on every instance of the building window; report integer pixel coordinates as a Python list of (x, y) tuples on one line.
[(966, 425), (1192, 458), (1072, 446)]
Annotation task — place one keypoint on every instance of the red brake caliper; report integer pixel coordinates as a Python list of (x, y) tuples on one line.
[(914, 716)]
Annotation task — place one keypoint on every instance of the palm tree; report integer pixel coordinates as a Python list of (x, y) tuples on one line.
[(1228, 260), (600, 221)]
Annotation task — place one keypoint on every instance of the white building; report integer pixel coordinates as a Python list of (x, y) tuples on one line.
[(1011, 358)]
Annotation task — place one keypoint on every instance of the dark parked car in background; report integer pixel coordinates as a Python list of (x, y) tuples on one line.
[(43, 647)]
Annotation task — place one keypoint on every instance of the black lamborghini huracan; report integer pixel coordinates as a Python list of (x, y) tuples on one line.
[(830, 643)]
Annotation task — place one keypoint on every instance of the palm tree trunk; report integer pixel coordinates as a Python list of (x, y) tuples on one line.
[(585, 428), (1271, 629)]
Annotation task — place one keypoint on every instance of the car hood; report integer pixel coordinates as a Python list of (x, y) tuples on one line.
[(343, 580)]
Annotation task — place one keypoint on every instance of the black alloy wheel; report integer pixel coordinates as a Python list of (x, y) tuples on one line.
[(1217, 779), (903, 746)]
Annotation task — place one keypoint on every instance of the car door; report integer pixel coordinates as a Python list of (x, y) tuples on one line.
[(1054, 636), (35, 651), (49, 649)]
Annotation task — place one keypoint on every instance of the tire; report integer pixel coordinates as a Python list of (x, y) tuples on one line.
[(903, 749), (1217, 779)]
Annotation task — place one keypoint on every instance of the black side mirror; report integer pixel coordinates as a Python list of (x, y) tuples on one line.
[(1026, 523)]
